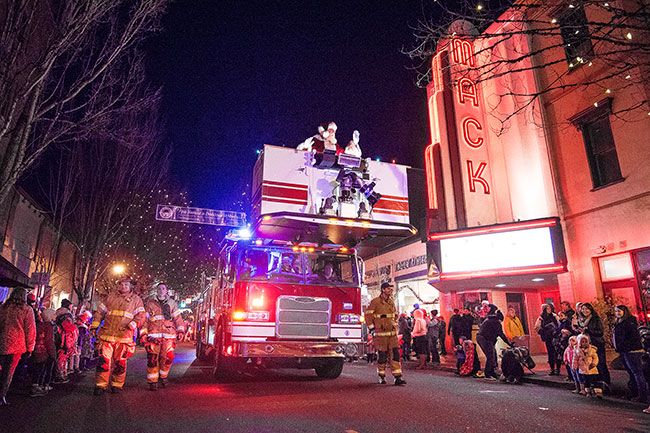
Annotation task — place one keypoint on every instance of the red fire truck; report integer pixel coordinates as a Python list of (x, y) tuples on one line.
[(289, 295)]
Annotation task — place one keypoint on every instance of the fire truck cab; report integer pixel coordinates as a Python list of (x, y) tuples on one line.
[(290, 294)]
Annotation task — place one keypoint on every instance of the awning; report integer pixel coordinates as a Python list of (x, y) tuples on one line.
[(11, 276)]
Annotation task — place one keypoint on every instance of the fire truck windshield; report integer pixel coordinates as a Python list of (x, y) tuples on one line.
[(287, 266)]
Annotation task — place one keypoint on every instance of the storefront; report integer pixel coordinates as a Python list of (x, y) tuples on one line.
[(406, 267), (625, 279)]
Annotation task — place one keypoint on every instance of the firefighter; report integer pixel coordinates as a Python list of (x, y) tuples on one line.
[(164, 324), (381, 318), (122, 313)]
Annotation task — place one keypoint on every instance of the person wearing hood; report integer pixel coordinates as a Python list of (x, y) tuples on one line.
[(627, 342), (164, 323), (420, 338), (486, 338), (17, 337)]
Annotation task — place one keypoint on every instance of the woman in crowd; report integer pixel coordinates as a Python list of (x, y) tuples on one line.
[(512, 325), (17, 337), (420, 337), (627, 342), (546, 326), (592, 325)]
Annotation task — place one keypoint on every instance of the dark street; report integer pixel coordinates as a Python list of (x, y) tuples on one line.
[(297, 401)]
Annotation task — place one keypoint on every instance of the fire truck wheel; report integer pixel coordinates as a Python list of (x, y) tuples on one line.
[(200, 351), (222, 369), (330, 368)]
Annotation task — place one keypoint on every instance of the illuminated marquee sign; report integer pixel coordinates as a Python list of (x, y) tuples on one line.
[(503, 249)]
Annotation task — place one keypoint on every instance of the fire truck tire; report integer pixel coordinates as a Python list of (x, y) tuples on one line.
[(200, 351), (222, 368), (330, 369)]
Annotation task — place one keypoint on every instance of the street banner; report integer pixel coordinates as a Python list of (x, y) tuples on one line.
[(197, 215)]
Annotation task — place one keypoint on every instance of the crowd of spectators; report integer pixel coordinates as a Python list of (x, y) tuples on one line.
[(574, 341)]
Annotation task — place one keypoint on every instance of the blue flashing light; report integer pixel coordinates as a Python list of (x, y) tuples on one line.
[(378, 158), (244, 233), (258, 151)]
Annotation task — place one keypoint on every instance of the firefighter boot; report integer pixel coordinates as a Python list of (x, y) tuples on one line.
[(161, 383), (98, 391), (382, 380), (399, 381), (153, 386)]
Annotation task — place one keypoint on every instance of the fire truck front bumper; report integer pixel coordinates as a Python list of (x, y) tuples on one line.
[(297, 349)]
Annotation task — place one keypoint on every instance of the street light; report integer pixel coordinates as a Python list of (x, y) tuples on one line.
[(118, 269)]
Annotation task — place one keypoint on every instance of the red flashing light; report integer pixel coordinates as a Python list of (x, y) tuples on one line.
[(238, 316)]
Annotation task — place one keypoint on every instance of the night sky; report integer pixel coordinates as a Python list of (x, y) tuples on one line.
[(239, 74)]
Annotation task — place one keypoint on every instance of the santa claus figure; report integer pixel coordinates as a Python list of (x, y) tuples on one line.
[(353, 147), (324, 140)]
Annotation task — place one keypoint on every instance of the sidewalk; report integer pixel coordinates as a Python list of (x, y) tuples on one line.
[(540, 376)]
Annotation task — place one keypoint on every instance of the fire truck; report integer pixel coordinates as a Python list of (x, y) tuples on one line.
[(288, 292)]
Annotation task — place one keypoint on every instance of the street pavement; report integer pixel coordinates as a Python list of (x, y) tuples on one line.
[(261, 401)]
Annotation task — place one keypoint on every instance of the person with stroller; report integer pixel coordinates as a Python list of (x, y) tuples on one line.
[(546, 326), (486, 338)]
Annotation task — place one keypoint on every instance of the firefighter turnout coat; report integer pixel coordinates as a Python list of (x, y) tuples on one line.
[(381, 317), (121, 314), (163, 324)]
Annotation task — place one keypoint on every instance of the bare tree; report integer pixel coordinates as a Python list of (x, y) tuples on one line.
[(578, 44), (98, 178), (56, 59)]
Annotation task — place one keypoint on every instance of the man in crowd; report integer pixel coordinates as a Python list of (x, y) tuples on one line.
[(456, 328), (164, 323), (122, 313), (381, 318)]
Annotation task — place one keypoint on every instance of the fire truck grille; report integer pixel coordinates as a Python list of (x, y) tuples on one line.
[(303, 317)]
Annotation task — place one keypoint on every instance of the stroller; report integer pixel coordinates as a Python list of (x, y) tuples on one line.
[(513, 361)]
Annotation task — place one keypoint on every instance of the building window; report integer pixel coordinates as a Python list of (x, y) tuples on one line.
[(575, 35), (599, 144)]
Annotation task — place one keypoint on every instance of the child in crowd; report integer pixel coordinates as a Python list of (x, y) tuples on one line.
[(85, 342), (569, 355), (586, 362)]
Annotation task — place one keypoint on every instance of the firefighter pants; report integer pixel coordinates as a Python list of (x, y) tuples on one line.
[(160, 356), (395, 365), (111, 366)]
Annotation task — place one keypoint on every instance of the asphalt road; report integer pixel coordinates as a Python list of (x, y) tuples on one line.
[(297, 401)]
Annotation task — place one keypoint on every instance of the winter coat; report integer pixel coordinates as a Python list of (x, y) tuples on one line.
[(433, 328), (468, 324), (546, 325), (626, 336), (67, 333), (17, 329), (595, 330), (569, 355), (443, 328), (122, 315), (455, 324), (512, 327), (419, 324), (44, 347), (491, 329), (586, 360), (163, 319)]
